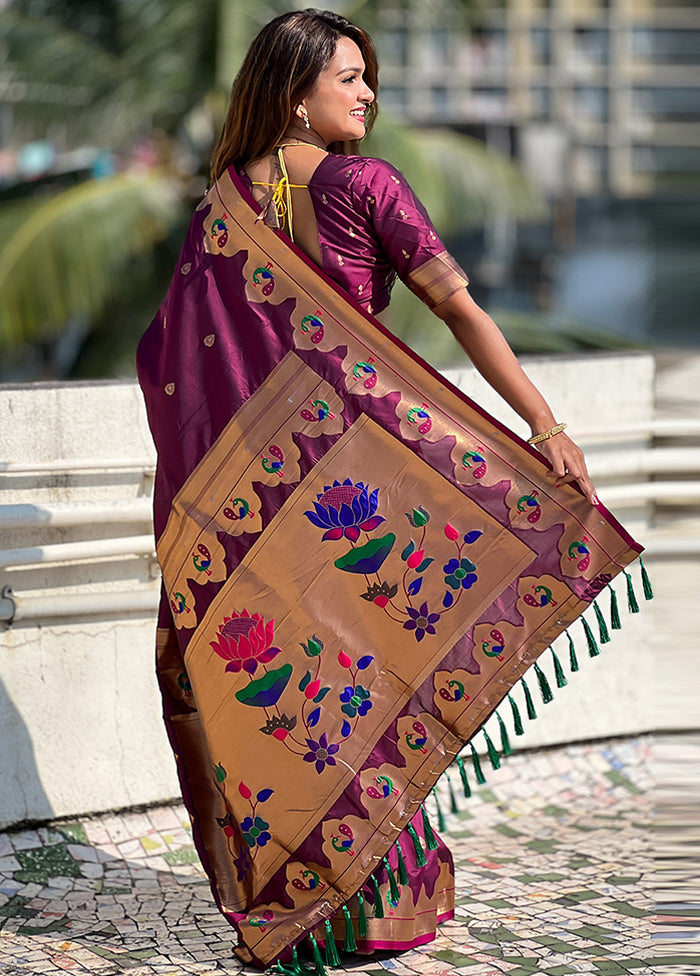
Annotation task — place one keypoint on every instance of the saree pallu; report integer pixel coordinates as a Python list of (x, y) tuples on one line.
[(358, 565)]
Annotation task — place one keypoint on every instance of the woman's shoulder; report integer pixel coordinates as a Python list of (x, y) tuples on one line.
[(357, 171)]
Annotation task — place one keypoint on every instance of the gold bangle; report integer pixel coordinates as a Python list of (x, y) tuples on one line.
[(545, 435)]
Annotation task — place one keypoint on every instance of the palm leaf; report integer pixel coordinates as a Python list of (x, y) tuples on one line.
[(459, 180), (70, 253)]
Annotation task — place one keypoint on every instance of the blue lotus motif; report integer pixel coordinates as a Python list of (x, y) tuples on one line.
[(345, 509)]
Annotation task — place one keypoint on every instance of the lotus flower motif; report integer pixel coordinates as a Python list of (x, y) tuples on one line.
[(345, 509), (245, 641)]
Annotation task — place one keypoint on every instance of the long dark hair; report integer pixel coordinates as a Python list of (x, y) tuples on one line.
[(280, 70)]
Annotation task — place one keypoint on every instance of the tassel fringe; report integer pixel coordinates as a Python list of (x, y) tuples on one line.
[(463, 776), (430, 841), (505, 741), (593, 649), (420, 853), (646, 582), (517, 721), (573, 660), (332, 957), (453, 799), (403, 876), (632, 604), (362, 916), (545, 690), (558, 670), (480, 778), (378, 903), (350, 944), (602, 626), (529, 704), (318, 961), (394, 892), (614, 610), (494, 758)]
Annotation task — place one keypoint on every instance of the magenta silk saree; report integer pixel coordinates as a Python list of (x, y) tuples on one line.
[(358, 565)]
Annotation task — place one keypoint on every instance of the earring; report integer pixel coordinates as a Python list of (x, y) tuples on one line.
[(305, 117)]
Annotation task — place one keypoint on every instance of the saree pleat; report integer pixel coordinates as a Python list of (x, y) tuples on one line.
[(359, 563)]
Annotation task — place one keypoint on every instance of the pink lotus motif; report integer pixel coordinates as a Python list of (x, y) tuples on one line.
[(245, 642)]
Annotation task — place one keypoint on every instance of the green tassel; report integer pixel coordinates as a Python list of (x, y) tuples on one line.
[(296, 965), (362, 916), (394, 892), (332, 957), (573, 660), (453, 799), (318, 961), (632, 604), (593, 650), (350, 944), (505, 742), (529, 703), (614, 610), (403, 877), (440, 815), (430, 841), (494, 758), (480, 778), (545, 690), (602, 626), (517, 721), (420, 853), (558, 670), (646, 582), (463, 775), (378, 903)]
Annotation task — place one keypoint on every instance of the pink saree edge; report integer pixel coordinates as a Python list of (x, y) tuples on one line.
[(436, 375)]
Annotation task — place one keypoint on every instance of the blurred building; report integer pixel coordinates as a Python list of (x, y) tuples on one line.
[(595, 97)]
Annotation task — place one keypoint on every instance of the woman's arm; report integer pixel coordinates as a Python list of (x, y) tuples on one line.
[(485, 345)]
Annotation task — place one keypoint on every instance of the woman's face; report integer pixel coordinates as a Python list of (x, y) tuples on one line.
[(336, 106)]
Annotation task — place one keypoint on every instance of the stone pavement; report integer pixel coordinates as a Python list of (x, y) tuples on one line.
[(551, 856)]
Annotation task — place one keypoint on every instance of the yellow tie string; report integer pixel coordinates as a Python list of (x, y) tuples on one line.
[(282, 197)]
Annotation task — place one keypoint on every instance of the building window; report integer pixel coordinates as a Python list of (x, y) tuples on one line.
[(541, 45), (665, 46), (540, 102), (667, 104), (590, 46), (591, 102)]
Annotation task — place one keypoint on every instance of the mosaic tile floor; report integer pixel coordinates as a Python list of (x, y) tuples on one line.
[(551, 857)]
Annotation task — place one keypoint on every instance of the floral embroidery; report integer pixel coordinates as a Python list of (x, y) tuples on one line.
[(355, 701), (242, 863), (421, 621), (460, 573), (255, 831), (380, 593), (345, 510), (321, 752), (245, 642), (252, 829)]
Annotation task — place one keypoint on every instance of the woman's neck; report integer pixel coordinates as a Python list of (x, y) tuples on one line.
[(298, 134)]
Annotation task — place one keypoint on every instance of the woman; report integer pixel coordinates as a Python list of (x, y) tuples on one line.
[(358, 562)]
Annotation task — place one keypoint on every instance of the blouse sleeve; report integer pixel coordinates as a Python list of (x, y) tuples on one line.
[(406, 234)]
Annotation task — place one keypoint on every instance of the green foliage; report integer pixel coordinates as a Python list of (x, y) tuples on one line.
[(458, 179), (68, 254)]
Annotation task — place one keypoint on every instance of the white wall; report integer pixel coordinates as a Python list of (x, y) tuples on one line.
[(79, 709)]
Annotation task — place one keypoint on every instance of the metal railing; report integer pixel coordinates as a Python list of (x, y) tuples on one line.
[(629, 468)]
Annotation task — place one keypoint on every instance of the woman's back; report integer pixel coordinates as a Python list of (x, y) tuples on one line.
[(357, 218)]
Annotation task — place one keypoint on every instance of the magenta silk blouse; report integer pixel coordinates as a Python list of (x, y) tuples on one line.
[(371, 228)]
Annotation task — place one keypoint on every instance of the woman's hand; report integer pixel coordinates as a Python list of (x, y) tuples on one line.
[(568, 463)]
